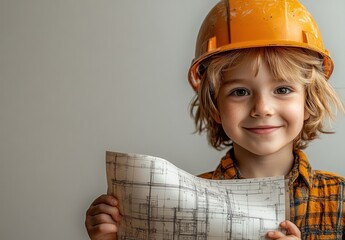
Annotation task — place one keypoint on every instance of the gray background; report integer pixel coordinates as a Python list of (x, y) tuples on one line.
[(78, 78)]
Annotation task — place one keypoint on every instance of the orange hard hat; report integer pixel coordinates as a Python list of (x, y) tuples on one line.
[(237, 24)]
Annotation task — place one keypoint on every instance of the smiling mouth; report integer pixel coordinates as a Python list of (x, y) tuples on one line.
[(263, 130)]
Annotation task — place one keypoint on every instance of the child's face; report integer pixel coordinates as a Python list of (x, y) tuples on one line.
[(258, 113)]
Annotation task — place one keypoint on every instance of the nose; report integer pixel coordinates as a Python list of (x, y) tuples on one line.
[(263, 106)]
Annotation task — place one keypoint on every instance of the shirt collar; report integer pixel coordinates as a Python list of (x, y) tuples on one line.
[(228, 166), (229, 169), (301, 169)]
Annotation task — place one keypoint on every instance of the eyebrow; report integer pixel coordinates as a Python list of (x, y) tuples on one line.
[(241, 80), (233, 81)]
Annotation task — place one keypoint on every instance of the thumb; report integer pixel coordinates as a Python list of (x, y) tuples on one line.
[(291, 228)]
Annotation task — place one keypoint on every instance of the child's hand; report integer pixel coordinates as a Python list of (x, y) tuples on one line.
[(292, 232), (102, 218)]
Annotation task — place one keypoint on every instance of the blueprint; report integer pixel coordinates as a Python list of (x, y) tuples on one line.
[(159, 201)]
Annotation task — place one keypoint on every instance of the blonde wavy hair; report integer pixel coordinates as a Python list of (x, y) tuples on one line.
[(288, 63)]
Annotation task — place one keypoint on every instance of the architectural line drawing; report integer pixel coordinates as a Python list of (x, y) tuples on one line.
[(159, 201)]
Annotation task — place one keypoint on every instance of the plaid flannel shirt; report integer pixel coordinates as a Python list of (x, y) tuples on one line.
[(317, 198)]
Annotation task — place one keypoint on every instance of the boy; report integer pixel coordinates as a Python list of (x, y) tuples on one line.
[(260, 74)]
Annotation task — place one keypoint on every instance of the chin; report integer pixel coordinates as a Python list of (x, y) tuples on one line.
[(266, 150)]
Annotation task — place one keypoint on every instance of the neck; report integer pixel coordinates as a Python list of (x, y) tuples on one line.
[(255, 166)]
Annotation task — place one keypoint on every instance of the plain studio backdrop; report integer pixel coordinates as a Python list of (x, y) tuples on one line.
[(79, 77)]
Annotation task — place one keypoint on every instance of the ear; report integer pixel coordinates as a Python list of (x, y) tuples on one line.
[(216, 117), (306, 114)]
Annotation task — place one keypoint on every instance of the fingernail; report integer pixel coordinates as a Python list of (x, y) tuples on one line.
[(283, 224)]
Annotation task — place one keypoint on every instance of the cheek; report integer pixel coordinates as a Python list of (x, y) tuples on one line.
[(231, 113), (231, 116), (295, 114)]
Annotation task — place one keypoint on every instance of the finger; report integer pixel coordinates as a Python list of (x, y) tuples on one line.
[(99, 219), (291, 228), (101, 208), (275, 235), (106, 199), (103, 229), (104, 209)]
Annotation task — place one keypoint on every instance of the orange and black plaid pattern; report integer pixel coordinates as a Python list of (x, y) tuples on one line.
[(317, 198)]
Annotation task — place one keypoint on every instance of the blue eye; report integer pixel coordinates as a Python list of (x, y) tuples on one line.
[(283, 90), (239, 92)]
